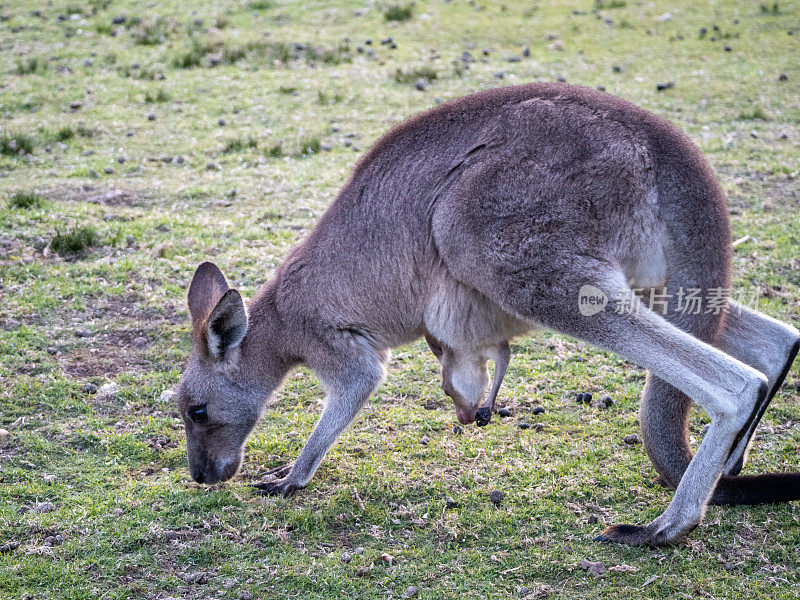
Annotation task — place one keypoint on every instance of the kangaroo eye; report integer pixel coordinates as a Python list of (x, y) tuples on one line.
[(198, 414)]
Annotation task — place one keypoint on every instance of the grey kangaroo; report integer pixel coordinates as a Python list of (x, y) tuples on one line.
[(476, 222)]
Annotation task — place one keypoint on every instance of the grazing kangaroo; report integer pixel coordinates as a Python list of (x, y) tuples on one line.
[(476, 222)]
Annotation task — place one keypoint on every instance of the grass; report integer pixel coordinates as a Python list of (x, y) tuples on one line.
[(26, 200), (13, 144), (76, 240), (106, 303), (399, 13)]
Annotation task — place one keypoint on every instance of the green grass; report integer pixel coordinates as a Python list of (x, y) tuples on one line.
[(76, 240), (26, 200), (399, 13), (138, 204)]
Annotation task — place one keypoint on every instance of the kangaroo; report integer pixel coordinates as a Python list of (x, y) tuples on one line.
[(476, 222), (464, 378)]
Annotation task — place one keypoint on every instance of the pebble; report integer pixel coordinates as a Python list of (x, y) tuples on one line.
[(607, 400), (632, 439), (728, 49), (411, 591), (108, 170), (584, 398), (119, 20), (783, 77), (49, 479), (458, 429), (425, 440), (538, 410), (420, 85), (539, 426), (504, 412), (9, 547), (166, 397), (77, 105), (151, 117), (345, 557), (221, 122), (753, 133), (524, 592), (4, 433), (496, 497), (83, 333), (45, 507), (524, 425), (52, 350), (592, 519), (450, 503), (108, 390), (526, 52), (53, 540), (616, 68), (121, 159), (358, 550), (665, 86)]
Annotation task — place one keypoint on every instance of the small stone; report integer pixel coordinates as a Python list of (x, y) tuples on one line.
[(592, 519), (458, 429), (166, 397), (83, 333), (420, 85), (539, 426), (523, 592), (783, 77), (616, 68), (538, 410), (753, 133), (45, 507), (387, 558), (504, 412), (10, 546), (52, 350), (496, 497), (89, 388), (108, 170), (665, 86), (221, 122), (358, 550), (450, 504), (4, 433), (783, 135), (526, 52), (77, 105), (23, 509), (108, 390), (631, 439), (524, 425), (151, 117), (94, 174), (386, 41), (728, 49), (121, 159), (345, 557), (49, 479), (607, 400), (212, 167), (411, 591), (119, 20), (703, 32), (140, 342), (425, 440)]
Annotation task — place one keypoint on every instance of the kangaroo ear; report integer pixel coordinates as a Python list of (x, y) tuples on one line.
[(207, 287), (226, 325)]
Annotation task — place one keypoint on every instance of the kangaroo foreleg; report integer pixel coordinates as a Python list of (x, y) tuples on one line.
[(349, 387), (501, 356)]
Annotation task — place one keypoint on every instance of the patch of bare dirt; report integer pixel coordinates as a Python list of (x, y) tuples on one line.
[(96, 195)]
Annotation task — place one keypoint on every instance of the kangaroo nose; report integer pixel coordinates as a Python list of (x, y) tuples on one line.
[(197, 475)]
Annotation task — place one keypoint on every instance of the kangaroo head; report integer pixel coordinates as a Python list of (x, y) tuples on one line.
[(216, 400), (464, 378)]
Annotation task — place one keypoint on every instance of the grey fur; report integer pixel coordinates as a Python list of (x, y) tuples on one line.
[(476, 222)]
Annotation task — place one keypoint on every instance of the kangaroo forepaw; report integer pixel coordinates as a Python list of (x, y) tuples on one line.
[(281, 471), (277, 487), (483, 416)]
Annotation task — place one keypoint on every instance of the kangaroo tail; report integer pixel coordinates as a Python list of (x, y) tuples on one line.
[(698, 256)]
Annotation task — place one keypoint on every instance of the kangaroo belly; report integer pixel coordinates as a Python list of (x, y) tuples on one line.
[(461, 317)]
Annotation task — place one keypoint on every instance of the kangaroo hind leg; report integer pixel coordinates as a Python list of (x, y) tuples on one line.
[(766, 345)]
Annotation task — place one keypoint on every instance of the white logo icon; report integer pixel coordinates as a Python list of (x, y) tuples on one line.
[(591, 300)]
